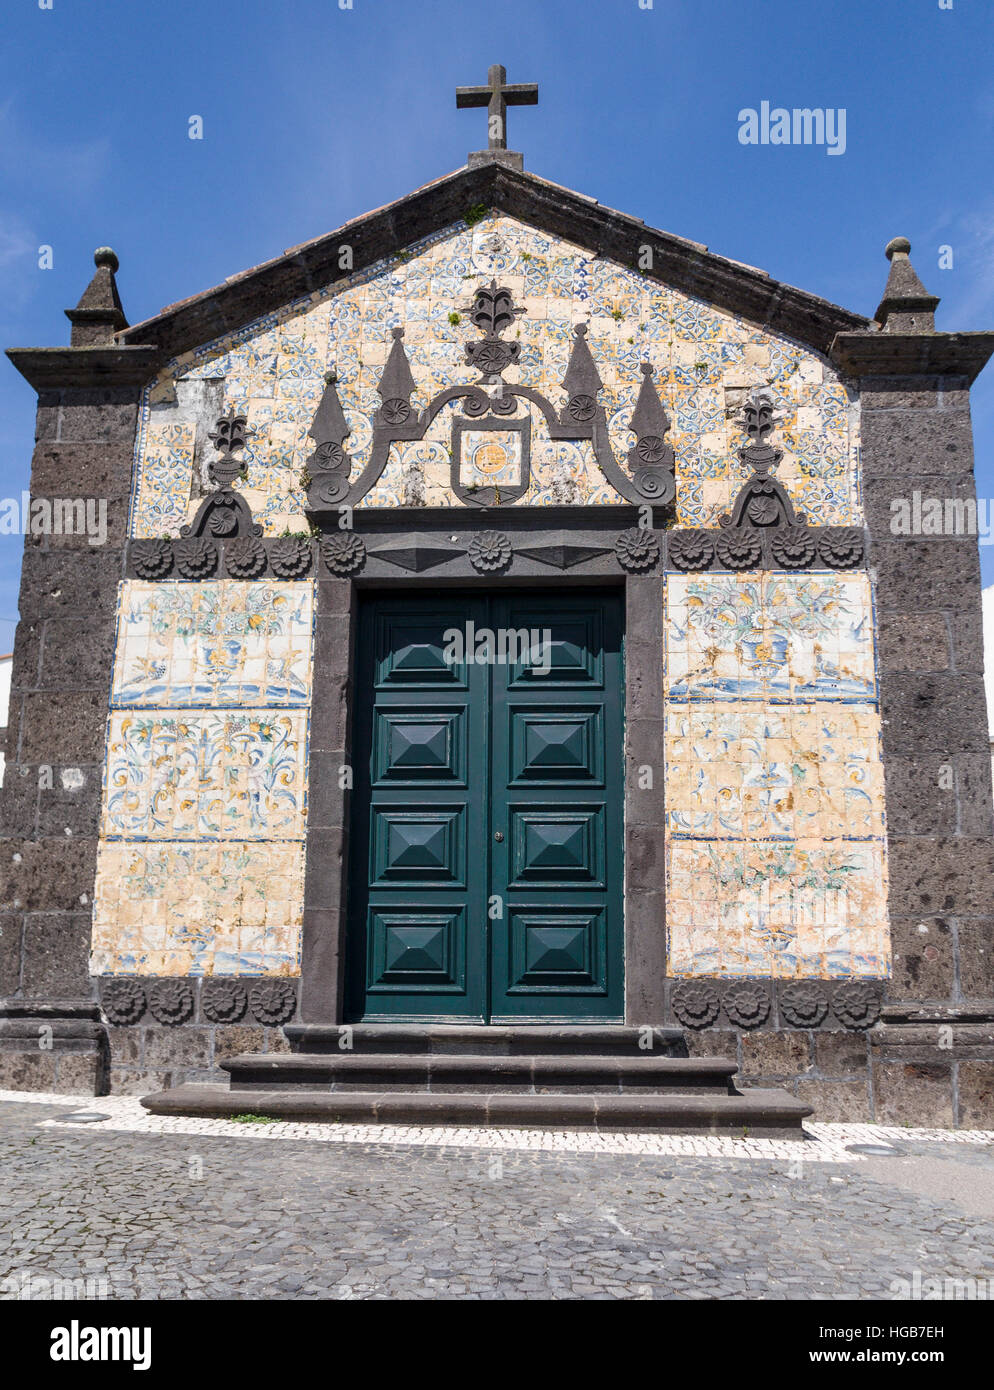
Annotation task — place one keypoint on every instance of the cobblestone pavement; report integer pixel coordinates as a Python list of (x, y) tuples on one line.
[(160, 1213)]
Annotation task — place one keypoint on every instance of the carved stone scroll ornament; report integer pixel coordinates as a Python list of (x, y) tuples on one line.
[(225, 513), (762, 501), (487, 405)]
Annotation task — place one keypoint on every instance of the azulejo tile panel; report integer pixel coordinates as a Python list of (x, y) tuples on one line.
[(770, 636), (226, 642), (197, 909), (798, 908), (180, 774), (776, 850), (706, 362), (200, 867)]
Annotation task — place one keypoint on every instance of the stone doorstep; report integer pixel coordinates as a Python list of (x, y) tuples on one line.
[(771, 1113), (569, 1039), (480, 1072)]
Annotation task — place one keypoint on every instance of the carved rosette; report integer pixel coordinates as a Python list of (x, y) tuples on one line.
[(690, 550), (803, 1004), (273, 1002), (841, 547), (343, 554), (290, 557), (696, 1003), (793, 547), (747, 1005), (739, 550), (153, 559), (224, 1001), (856, 1005), (171, 1001), (637, 549), (196, 557), (123, 1001), (245, 558), (490, 550)]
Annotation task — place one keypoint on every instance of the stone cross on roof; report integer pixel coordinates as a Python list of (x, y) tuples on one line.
[(497, 96)]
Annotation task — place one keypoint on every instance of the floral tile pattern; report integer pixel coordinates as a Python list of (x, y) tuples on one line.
[(197, 909), (200, 868), (774, 785), (226, 642), (706, 362), (186, 775), (761, 636)]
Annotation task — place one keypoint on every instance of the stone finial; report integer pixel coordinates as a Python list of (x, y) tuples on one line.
[(906, 307), (98, 315)]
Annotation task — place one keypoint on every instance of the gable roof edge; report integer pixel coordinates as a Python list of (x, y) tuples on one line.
[(312, 266)]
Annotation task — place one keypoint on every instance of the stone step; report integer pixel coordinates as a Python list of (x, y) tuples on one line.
[(500, 1039), (429, 1072), (769, 1114)]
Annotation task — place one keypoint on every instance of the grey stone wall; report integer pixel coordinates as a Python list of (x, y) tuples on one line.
[(50, 803)]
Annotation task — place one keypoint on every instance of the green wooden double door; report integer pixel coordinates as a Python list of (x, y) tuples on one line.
[(486, 864)]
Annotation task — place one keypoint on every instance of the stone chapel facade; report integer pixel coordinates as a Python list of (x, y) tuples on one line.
[(743, 789)]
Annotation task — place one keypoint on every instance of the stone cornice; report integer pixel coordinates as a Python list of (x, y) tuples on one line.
[(59, 368), (870, 354)]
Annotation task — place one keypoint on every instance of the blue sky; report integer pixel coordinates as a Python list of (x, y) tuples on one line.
[(314, 114)]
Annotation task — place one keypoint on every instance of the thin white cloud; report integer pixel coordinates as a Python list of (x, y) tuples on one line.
[(30, 160)]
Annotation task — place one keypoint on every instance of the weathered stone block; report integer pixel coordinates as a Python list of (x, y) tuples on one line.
[(944, 876), (910, 1093), (27, 1070), (48, 875), (933, 713), (776, 1054), (912, 642), (924, 958), (938, 573), (56, 952), (717, 1042), (838, 1054), (184, 1046), (835, 1102), (229, 1041), (65, 727), (896, 443), (125, 1045), (976, 1095), (82, 470), (127, 1081), (55, 583), (976, 957)]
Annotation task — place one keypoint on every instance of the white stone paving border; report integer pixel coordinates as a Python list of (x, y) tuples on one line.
[(826, 1143)]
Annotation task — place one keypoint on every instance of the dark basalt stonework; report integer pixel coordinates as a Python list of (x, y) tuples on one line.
[(755, 1003), (822, 1038), (273, 1001)]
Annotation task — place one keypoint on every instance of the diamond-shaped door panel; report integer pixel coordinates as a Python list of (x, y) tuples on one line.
[(417, 746), (569, 648), (418, 651), (554, 846), (418, 845), (419, 951), (556, 746), (561, 951)]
